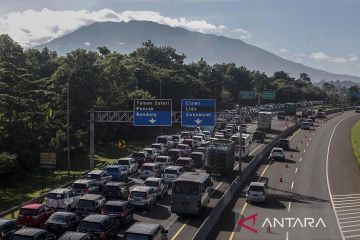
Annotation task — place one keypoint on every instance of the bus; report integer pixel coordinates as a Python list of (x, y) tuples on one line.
[(357, 109), (191, 193), (245, 144)]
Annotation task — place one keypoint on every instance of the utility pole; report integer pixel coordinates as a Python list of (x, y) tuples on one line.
[(68, 121), (161, 129), (240, 140)]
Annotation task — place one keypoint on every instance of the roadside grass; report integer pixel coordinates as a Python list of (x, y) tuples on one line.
[(355, 140), (25, 185)]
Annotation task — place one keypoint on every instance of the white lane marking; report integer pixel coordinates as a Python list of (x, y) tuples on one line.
[(327, 174), (287, 235), (344, 214), (292, 185), (295, 134), (289, 207), (313, 134), (350, 222), (310, 139), (354, 230), (347, 210), (307, 144), (352, 202), (300, 159), (352, 236), (346, 200), (349, 218), (296, 170), (346, 195), (354, 205), (304, 150), (218, 185)]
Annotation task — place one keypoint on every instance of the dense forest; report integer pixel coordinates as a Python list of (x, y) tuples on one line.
[(33, 87)]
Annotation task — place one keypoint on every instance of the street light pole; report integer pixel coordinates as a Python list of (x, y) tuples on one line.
[(68, 121), (161, 129)]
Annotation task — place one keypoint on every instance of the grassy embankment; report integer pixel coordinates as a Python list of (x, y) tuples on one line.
[(355, 140)]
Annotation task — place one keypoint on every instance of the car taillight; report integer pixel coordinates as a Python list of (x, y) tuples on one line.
[(102, 235), (86, 190), (122, 214)]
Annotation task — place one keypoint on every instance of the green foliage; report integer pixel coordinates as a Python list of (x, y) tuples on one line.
[(33, 92), (7, 163)]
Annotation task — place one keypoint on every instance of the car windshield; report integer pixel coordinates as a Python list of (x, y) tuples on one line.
[(148, 151), (111, 189), (93, 176), (124, 162), (79, 186), (112, 170), (170, 171), (112, 208), (277, 150), (19, 237), (182, 162), (181, 147), (55, 196), (161, 140), (134, 236), (28, 212), (89, 226), (151, 183), (161, 159), (138, 155), (137, 194), (147, 168), (58, 218), (256, 189), (184, 187), (86, 203)]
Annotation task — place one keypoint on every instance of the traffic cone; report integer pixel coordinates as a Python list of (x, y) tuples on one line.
[(291, 154), (281, 179), (268, 230), (305, 136), (286, 166), (301, 141)]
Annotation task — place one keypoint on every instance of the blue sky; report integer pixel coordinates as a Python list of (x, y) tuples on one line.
[(324, 34)]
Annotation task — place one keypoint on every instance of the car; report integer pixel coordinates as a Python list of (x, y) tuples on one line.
[(141, 157), (121, 210), (141, 196), (258, 136), (150, 170), (102, 227), (149, 231), (197, 140), (85, 186), (129, 163), (186, 162), (256, 192), (190, 142), (186, 134), (171, 173), (117, 190), (185, 149), (62, 198), (284, 143), (101, 177), (310, 121), (34, 215), (174, 154), (218, 135), (167, 141), (76, 236), (305, 125), (357, 109), (32, 234), (117, 172), (90, 204), (243, 128), (177, 139), (164, 161), (198, 158), (160, 148), (8, 228), (281, 115), (159, 186), (207, 134), (277, 153), (321, 114), (153, 153), (61, 222)]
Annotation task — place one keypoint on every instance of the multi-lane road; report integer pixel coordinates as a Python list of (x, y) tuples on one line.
[(319, 175)]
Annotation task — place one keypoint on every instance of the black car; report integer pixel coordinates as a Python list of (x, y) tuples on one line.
[(90, 203), (7, 228), (258, 136), (100, 226), (121, 210), (284, 143), (76, 236), (281, 115), (61, 222), (117, 190), (32, 234), (145, 231)]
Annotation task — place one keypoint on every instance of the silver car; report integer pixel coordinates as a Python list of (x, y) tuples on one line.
[(159, 186), (142, 197)]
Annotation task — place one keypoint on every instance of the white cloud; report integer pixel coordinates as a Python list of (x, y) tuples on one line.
[(283, 50), (87, 43), (32, 27), (244, 34), (319, 56), (300, 54), (350, 58)]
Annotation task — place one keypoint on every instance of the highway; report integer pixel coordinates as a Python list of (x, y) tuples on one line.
[(185, 227), (299, 189)]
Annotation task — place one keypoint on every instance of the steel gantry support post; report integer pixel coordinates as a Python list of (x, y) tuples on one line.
[(92, 139)]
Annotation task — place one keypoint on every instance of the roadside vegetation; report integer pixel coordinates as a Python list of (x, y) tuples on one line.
[(355, 140)]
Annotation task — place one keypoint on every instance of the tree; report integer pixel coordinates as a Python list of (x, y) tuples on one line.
[(103, 51), (305, 78)]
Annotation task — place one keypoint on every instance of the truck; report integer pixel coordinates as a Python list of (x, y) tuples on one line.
[(290, 109), (264, 121), (220, 157)]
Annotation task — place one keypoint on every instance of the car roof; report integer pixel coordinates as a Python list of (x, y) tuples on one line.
[(64, 214), (197, 153), (115, 166), (29, 231), (60, 190), (96, 218), (97, 171), (259, 184), (193, 177), (153, 179), (278, 148), (144, 228), (162, 156), (112, 183), (83, 181), (90, 196), (141, 189), (185, 158), (174, 167), (73, 236), (4, 221), (150, 164), (125, 158), (116, 203), (32, 206)]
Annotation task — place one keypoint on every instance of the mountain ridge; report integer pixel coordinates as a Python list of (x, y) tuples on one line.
[(124, 37)]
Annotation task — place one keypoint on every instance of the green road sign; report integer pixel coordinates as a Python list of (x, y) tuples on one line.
[(268, 95), (247, 95)]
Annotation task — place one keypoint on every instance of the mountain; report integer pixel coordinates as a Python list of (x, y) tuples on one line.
[(124, 37)]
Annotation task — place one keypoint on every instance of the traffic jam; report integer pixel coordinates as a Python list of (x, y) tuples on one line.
[(177, 170)]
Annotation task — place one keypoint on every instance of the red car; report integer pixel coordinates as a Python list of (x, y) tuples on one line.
[(34, 215)]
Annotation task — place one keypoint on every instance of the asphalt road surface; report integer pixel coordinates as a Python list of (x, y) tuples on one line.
[(299, 204)]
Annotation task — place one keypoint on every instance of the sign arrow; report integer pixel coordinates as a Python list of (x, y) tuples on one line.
[(241, 223), (152, 120), (198, 121)]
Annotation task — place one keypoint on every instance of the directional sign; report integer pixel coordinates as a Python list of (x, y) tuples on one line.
[(198, 112), (247, 95), (268, 95), (152, 112), (122, 144), (48, 160)]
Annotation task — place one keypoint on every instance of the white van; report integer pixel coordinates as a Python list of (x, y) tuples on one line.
[(164, 161), (166, 140), (129, 163), (172, 172)]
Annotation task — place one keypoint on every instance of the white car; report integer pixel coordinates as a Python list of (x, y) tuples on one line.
[(62, 198), (101, 177), (153, 152), (129, 163), (164, 161), (172, 172), (159, 186), (160, 147), (197, 140), (278, 153), (257, 192)]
